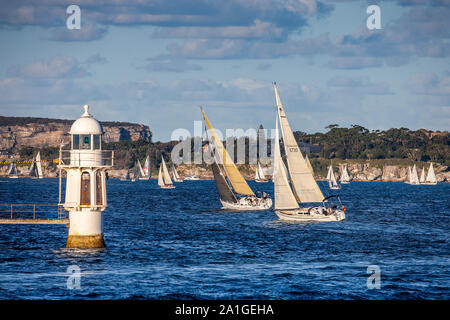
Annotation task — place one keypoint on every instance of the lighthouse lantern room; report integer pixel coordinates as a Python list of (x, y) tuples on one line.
[(85, 198)]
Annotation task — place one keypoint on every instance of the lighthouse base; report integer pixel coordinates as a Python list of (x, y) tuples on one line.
[(85, 242)]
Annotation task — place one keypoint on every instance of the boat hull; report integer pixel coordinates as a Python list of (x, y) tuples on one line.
[(305, 215), (243, 205), (168, 187), (261, 181), (429, 183)]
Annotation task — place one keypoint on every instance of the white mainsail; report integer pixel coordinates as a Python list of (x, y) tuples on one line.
[(431, 177), (422, 176), (38, 165), (414, 177), (147, 168), (141, 171), (305, 187), (166, 175), (284, 198), (176, 173), (160, 178), (259, 174), (345, 176), (409, 174), (12, 172)]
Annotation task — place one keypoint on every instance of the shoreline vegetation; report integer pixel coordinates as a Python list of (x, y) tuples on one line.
[(370, 155)]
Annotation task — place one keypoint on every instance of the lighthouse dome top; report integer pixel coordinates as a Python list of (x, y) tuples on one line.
[(86, 124)]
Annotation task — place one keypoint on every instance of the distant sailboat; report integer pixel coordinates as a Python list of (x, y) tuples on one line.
[(332, 183), (234, 192), (146, 171), (259, 174), (431, 177), (164, 180), (413, 178), (175, 175), (345, 177), (136, 171), (422, 176), (12, 172), (192, 178), (126, 177), (302, 187), (36, 168)]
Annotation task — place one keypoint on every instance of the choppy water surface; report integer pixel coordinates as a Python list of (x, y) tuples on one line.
[(176, 244)]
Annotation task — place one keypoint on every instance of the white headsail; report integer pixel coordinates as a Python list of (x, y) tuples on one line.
[(160, 178), (284, 198), (305, 187)]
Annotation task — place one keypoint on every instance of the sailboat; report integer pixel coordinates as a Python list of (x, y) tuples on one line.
[(345, 177), (146, 171), (259, 174), (36, 168), (422, 176), (302, 187), (413, 178), (126, 177), (332, 183), (175, 175), (164, 180), (234, 192), (431, 177), (136, 171), (12, 172)]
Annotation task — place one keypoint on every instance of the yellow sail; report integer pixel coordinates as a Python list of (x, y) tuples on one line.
[(236, 179)]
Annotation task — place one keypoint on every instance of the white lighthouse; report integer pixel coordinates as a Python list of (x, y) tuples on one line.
[(86, 164)]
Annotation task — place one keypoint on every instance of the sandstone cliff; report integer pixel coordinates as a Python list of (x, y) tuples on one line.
[(16, 133)]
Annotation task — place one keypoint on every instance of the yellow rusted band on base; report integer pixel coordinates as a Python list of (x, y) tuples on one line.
[(85, 242)]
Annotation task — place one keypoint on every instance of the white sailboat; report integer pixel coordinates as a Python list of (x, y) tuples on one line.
[(332, 183), (422, 176), (413, 177), (345, 177), (259, 174), (302, 187), (175, 175), (234, 192), (136, 171), (146, 171), (431, 177), (36, 168), (12, 172), (164, 180)]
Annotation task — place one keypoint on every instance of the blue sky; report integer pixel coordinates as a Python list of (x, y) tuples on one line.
[(155, 62)]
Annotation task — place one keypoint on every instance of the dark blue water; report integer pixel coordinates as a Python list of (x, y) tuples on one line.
[(176, 244)]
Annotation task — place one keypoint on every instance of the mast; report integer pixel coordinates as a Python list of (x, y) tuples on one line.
[(305, 187)]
